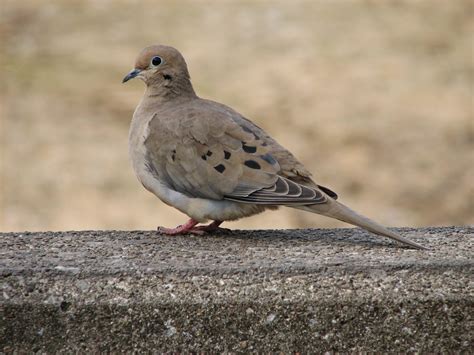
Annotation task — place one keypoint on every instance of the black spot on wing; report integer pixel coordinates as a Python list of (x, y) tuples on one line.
[(328, 192), (248, 148), (226, 155), (246, 129), (220, 168), (203, 157), (209, 153), (269, 159), (252, 164)]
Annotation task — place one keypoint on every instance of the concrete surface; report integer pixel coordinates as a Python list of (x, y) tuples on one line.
[(281, 290)]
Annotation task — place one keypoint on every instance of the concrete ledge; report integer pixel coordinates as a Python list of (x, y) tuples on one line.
[(290, 290)]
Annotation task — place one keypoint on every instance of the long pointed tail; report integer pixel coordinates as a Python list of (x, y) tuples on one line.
[(343, 213)]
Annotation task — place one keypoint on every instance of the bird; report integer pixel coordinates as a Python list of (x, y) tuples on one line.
[(213, 164)]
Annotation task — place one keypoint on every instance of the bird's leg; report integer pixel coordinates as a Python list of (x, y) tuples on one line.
[(188, 227), (214, 226)]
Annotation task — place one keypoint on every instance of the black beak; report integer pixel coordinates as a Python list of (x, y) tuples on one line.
[(131, 75)]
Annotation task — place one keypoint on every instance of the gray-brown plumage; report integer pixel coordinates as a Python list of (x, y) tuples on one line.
[(211, 163)]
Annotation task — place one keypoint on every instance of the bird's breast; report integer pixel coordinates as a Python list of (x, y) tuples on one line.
[(139, 131)]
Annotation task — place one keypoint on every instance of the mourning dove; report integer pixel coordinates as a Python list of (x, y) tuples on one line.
[(210, 162)]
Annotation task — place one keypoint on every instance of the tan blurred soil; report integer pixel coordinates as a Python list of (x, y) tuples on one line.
[(375, 97)]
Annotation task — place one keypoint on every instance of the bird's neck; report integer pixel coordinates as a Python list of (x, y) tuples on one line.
[(178, 87)]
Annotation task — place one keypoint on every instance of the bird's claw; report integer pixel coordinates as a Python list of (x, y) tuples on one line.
[(190, 228)]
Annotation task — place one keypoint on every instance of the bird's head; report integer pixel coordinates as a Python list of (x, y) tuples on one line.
[(160, 66)]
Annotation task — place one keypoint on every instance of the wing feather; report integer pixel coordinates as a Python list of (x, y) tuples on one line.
[(296, 194), (213, 152)]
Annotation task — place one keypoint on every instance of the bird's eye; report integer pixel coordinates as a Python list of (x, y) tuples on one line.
[(155, 61)]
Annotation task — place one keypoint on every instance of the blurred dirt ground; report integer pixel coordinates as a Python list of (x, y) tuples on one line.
[(375, 97)]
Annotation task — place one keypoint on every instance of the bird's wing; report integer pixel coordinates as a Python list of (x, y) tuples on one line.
[(205, 150), (290, 167)]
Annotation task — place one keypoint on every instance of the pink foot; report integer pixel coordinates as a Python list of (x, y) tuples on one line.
[(186, 228), (190, 228), (212, 227)]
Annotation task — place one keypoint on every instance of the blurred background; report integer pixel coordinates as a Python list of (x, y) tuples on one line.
[(374, 97)]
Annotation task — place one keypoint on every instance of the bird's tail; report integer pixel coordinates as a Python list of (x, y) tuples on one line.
[(343, 213)]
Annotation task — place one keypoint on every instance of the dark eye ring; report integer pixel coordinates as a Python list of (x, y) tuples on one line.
[(155, 61)]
